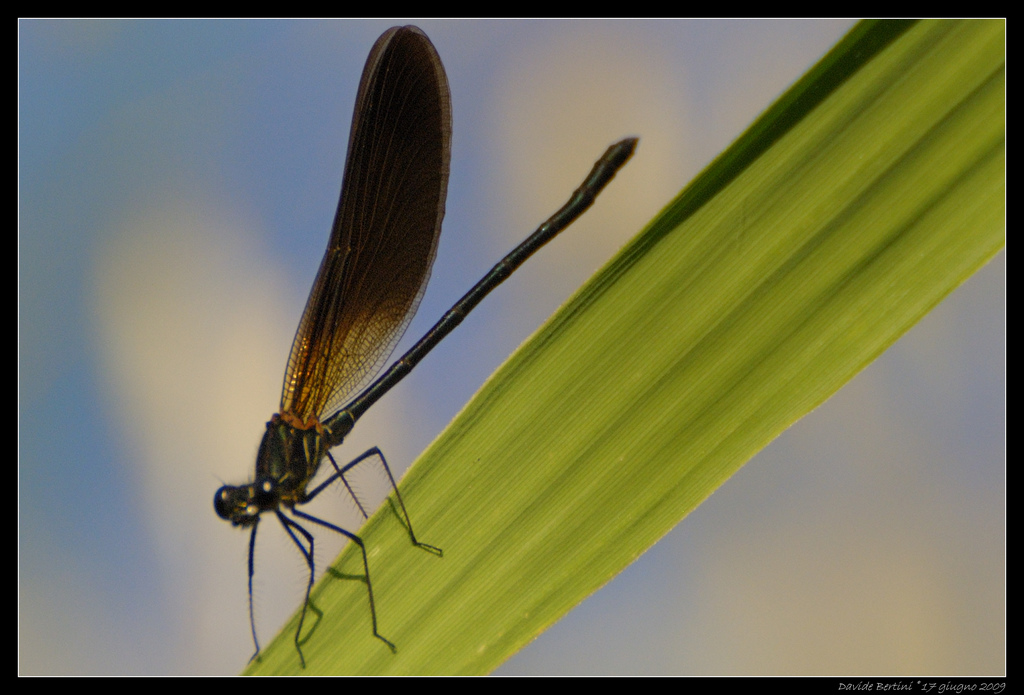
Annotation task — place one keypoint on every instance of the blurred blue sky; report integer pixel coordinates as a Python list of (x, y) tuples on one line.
[(177, 183)]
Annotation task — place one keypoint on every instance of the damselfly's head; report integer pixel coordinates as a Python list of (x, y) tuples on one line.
[(243, 504)]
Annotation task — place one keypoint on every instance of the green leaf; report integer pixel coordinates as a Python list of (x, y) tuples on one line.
[(864, 196)]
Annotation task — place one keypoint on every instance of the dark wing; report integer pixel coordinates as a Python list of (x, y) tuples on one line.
[(385, 231)]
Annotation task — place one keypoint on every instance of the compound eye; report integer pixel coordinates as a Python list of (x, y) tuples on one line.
[(266, 496), (222, 502)]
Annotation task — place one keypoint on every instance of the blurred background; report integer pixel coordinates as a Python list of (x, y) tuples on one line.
[(177, 181)]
